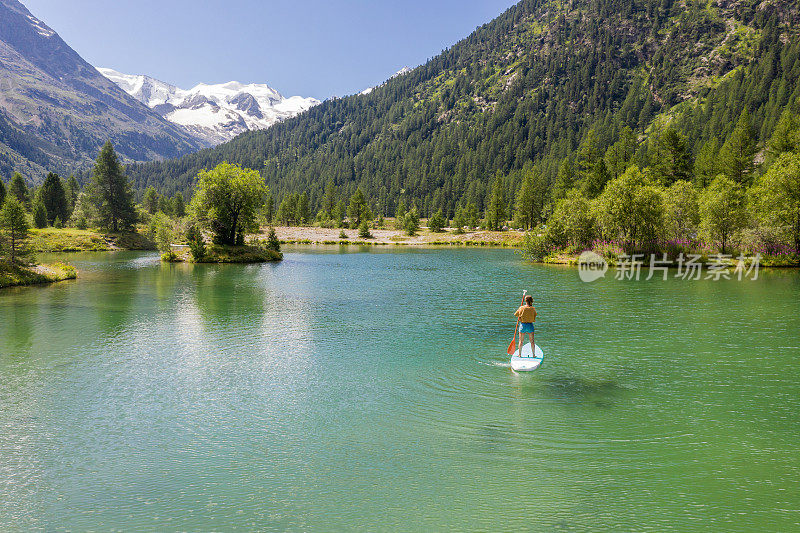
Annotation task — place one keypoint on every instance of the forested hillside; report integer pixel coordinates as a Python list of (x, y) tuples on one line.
[(583, 87)]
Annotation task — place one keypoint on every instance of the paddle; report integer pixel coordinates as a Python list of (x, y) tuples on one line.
[(513, 346)]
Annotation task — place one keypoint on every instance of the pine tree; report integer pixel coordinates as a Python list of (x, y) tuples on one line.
[(706, 165), (411, 221), (587, 155), (329, 199), (357, 210), (178, 206), (437, 222), (14, 229), (400, 214), (111, 193), (39, 213), (165, 205), (273, 243), (363, 230), (620, 154), (303, 212), (594, 183), (339, 213), (786, 137), (269, 209), (287, 210), (565, 179), (2, 192), (737, 154), (471, 213), (20, 190), (150, 201), (496, 212), (530, 199), (672, 160), (54, 198), (72, 189)]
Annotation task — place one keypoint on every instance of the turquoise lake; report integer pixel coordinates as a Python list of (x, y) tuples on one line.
[(368, 389)]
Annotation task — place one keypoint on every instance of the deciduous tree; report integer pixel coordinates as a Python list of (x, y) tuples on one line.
[(227, 200), (681, 211), (572, 222), (722, 210), (631, 209), (777, 196)]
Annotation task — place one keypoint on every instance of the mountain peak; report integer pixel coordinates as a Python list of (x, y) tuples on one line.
[(57, 110), (214, 112)]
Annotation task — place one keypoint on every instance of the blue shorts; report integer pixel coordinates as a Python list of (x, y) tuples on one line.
[(526, 327)]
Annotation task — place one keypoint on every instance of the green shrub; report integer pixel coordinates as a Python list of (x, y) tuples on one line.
[(363, 230), (39, 214), (536, 247), (411, 222), (197, 246), (273, 243), (437, 222)]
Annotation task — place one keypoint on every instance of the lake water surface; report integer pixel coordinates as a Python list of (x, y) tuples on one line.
[(369, 389)]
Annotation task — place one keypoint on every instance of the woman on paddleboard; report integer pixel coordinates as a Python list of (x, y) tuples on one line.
[(526, 314)]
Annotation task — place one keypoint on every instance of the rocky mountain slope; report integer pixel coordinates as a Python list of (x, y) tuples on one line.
[(56, 110), (214, 113)]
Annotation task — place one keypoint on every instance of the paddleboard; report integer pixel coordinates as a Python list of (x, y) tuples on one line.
[(528, 361)]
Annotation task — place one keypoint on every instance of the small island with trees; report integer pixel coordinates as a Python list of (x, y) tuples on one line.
[(58, 216)]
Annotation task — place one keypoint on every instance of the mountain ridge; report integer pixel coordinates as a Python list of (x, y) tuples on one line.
[(214, 112), (56, 110)]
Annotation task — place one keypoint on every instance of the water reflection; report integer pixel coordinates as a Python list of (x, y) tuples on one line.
[(338, 391)]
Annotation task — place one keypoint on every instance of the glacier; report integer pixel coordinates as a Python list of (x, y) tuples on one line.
[(215, 113)]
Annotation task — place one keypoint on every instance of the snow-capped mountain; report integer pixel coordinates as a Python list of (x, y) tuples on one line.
[(216, 113), (56, 110), (404, 70)]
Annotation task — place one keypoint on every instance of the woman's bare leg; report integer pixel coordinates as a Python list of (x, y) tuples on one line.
[(521, 342)]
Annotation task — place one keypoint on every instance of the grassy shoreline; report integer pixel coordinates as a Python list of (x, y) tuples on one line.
[(52, 240), (15, 275), (225, 254)]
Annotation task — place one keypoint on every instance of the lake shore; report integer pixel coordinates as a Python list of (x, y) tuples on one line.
[(388, 237), (50, 240), (14, 275)]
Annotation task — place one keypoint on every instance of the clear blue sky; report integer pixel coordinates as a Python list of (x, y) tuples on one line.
[(316, 48)]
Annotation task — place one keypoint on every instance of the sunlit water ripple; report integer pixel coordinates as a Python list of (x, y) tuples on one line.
[(370, 390)]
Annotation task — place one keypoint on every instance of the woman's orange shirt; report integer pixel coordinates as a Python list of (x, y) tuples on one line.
[(526, 314)]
